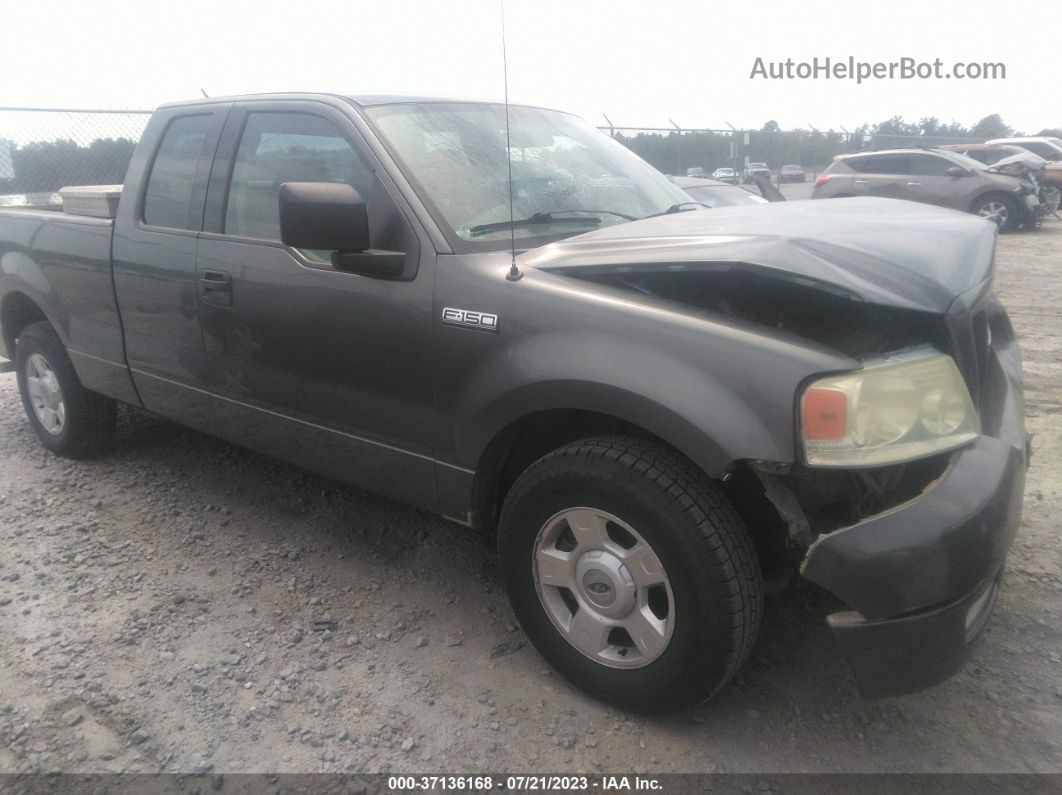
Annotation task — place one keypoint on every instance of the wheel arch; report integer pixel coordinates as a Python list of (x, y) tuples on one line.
[(18, 310), (989, 193), (525, 440)]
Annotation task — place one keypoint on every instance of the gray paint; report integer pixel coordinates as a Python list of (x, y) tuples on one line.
[(363, 380)]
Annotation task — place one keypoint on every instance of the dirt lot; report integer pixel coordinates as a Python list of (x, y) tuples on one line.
[(157, 609)]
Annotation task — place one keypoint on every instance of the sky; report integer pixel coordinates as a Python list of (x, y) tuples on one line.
[(640, 63)]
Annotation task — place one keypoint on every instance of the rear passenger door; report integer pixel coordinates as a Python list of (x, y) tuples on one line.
[(882, 175), (154, 252), (327, 369)]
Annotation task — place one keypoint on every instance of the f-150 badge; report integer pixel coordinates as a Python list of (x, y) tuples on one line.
[(469, 319)]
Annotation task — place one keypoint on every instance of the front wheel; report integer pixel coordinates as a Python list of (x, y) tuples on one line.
[(69, 420), (999, 209), (631, 573)]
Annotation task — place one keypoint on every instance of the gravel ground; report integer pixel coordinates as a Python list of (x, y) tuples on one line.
[(158, 611)]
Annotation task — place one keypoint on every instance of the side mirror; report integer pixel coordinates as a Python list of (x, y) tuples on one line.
[(956, 171), (331, 216), (323, 216)]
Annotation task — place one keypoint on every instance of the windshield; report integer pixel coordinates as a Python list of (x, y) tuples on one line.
[(1042, 149), (966, 161), (567, 176), (723, 195)]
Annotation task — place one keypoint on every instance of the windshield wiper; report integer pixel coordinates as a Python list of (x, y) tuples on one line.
[(547, 218), (681, 207)]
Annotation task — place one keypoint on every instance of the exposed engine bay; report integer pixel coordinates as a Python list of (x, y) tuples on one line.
[(827, 318), (810, 501)]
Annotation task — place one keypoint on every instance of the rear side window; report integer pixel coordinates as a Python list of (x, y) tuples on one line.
[(1045, 151), (286, 147), (929, 165), (168, 196), (879, 164)]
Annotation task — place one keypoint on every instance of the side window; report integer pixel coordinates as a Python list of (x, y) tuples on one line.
[(1042, 149), (885, 164), (929, 165), (168, 195), (281, 147)]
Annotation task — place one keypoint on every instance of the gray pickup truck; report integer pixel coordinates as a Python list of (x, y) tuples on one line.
[(659, 410)]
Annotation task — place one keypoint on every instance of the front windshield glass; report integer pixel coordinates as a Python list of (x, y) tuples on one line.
[(967, 161), (568, 178)]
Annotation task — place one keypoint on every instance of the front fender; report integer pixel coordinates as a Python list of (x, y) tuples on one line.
[(716, 390), (637, 383)]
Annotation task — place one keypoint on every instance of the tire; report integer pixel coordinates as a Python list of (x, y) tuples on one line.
[(706, 616), (999, 208), (69, 420)]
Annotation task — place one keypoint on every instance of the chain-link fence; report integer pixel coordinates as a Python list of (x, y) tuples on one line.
[(42, 150)]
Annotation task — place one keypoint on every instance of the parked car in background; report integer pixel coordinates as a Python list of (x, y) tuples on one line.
[(1053, 174), (1048, 148), (932, 176), (989, 154), (713, 193), (696, 171), (791, 174), (755, 169), (727, 175)]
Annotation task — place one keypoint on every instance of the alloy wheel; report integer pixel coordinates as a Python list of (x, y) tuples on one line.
[(603, 587), (46, 395)]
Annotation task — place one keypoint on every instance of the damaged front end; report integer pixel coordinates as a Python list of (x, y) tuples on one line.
[(905, 491)]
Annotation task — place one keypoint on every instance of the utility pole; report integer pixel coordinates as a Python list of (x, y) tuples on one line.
[(733, 144), (678, 149)]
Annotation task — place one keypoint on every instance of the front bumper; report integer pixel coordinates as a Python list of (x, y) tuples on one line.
[(913, 574), (902, 655)]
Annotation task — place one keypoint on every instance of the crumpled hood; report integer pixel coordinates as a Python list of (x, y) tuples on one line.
[(882, 251)]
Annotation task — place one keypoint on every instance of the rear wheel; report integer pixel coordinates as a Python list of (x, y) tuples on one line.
[(69, 420), (999, 209), (630, 572)]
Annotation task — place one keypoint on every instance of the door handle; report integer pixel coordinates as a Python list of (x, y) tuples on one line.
[(914, 183), (861, 181), (215, 287)]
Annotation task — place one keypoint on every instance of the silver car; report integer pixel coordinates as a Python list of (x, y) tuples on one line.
[(727, 175), (931, 176)]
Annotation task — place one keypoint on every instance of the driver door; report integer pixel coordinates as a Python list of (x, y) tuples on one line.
[(327, 369)]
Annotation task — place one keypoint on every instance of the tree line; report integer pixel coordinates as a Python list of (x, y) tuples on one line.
[(45, 166), (675, 152)]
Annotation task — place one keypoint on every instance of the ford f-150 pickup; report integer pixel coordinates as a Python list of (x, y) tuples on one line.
[(659, 410)]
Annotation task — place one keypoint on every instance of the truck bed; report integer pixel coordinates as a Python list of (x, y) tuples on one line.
[(64, 263)]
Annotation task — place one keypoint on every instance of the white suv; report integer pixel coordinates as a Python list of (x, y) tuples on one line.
[(1047, 148)]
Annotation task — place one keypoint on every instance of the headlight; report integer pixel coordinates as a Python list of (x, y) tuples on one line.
[(896, 409)]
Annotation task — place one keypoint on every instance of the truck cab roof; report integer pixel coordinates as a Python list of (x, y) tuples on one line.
[(357, 100)]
